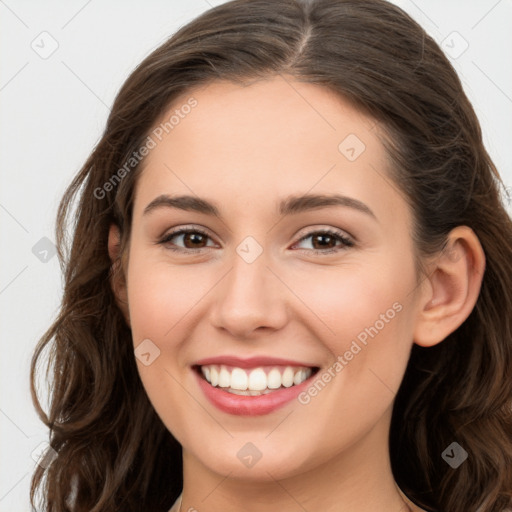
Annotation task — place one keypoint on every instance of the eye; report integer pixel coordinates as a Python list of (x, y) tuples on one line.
[(324, 241), (193, 239)]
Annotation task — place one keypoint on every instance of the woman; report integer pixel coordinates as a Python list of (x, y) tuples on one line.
[(289, 282)]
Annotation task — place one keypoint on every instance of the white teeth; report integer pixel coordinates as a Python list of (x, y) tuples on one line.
[(239, 379), (274, 379), (214, 376), (256, 381), (224, 378), (287, 377), (299, 377)]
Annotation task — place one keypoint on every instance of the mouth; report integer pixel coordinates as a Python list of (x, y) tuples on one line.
[(257, 381), (253, 386)]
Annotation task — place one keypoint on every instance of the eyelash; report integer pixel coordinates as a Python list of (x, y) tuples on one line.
[(346, 242)]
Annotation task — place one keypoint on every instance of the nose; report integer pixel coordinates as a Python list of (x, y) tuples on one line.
[(249, 299)]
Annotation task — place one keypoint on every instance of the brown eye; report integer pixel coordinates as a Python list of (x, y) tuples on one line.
[(194, 239), (186, 240), (326, 241)]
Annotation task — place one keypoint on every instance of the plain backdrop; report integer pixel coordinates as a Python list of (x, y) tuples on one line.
[(61, 65)]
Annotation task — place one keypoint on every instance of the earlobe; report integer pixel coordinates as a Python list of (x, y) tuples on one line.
[(452, 287), (117, 276)]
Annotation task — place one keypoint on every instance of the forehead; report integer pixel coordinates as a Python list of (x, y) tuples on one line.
[(263, 141)]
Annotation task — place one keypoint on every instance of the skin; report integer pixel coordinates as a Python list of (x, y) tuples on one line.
[(245, 149)]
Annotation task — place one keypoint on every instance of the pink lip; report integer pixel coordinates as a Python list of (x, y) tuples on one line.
[(251, 362), (250, 405)]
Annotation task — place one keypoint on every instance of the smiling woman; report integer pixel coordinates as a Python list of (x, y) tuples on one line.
[(307, 307)]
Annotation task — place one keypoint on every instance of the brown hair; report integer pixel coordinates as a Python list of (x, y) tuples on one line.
[(111, 445)]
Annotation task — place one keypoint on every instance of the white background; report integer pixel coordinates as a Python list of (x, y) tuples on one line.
[(53, 111)]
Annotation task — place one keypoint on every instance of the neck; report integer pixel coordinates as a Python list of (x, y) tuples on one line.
[(359, 479)]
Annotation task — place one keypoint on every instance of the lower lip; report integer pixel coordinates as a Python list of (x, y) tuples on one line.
[(250, 405)]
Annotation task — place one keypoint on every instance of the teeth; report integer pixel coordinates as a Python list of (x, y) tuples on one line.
[(287, 377), (299, 377), (248, 392), (256, 381), (224, 378), (274, 379), (214, 376), (238, 379)]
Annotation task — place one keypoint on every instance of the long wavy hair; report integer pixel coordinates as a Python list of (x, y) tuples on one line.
[(112, 450)]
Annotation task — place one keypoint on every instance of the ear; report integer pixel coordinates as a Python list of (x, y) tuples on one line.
[(450, 291), (118, 277)]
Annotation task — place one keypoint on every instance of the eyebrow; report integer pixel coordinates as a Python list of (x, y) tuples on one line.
[(291, 205)]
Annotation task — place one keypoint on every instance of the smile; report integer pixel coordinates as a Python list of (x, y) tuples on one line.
[(253, 386), (255, 382)]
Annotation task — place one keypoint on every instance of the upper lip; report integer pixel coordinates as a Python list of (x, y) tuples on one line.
[(250, 362)]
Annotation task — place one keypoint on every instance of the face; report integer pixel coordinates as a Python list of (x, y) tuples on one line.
[(299, 312)]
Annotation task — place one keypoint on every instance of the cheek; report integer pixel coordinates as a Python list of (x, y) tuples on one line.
[(366, 324), (371, 319), (352, 301), (160, 296)]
